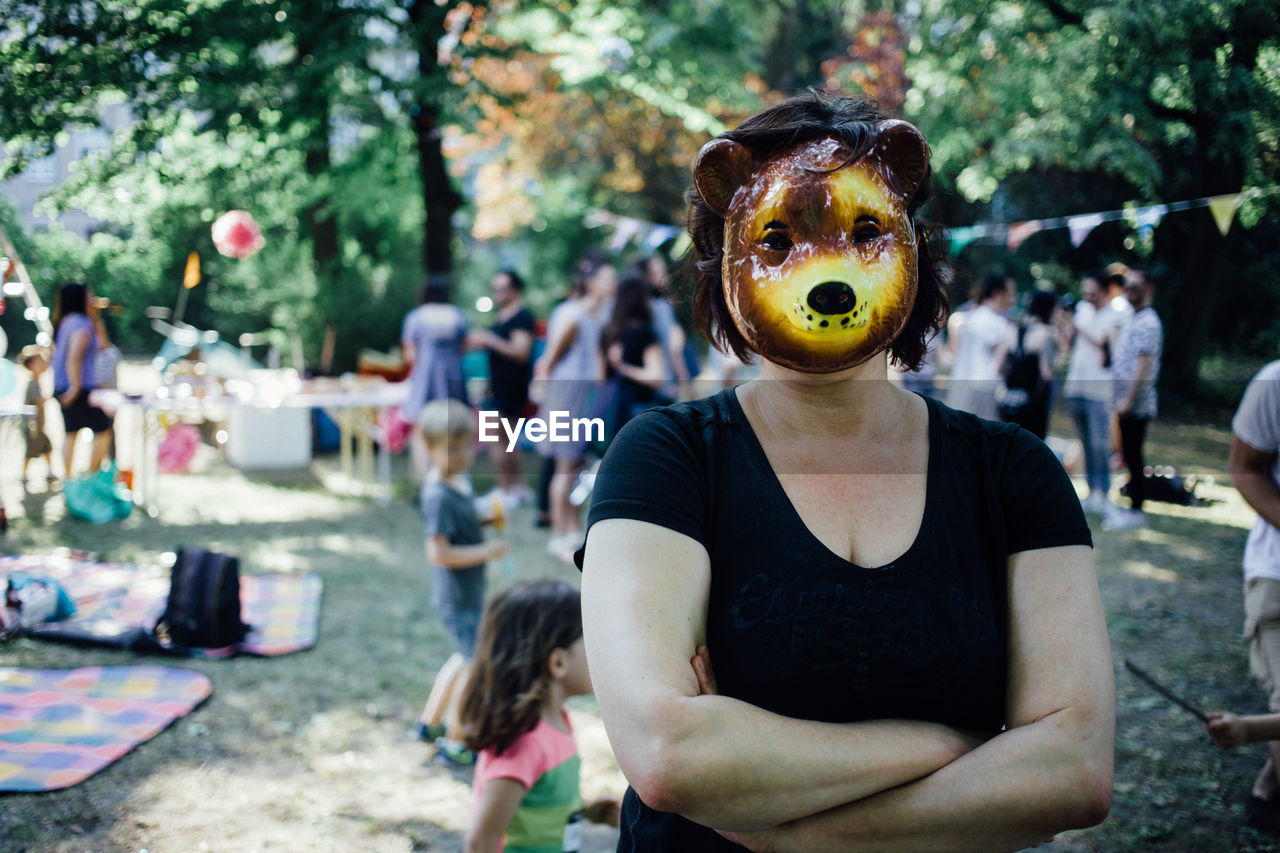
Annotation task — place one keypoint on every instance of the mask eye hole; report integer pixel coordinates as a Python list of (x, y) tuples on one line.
[(865, 229), (777, 238)]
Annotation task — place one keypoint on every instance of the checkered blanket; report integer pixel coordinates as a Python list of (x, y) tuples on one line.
[(60, 726), (118, 603)]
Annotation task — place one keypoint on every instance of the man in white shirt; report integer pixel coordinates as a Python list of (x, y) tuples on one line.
[(984, 340), (1255, 472), (1088, 385)]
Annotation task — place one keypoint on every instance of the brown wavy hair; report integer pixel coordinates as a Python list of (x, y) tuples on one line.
[(813, 114), (509, 681)]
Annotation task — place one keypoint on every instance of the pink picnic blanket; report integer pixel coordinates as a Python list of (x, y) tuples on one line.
[(60, 726), (117, 602)]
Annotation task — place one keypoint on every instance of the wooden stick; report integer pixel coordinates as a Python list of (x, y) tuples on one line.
[(1166, 692)]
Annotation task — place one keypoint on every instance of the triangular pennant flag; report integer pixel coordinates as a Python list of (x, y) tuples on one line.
[(624, 230), (1020, 231), (1148, 218), (191, 275), (659, 235), (1081, 226), (961, 237), (1223, 208)]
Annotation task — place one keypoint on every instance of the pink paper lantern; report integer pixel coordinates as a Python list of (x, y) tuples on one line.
[(236, 235)]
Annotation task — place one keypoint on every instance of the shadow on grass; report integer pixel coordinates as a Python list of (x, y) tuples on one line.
[(285, 746)]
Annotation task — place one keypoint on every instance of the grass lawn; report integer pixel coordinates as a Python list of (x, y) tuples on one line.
[(311, 751)]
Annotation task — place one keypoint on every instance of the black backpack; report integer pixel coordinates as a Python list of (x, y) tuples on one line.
[(203, 611), (1021, 379)]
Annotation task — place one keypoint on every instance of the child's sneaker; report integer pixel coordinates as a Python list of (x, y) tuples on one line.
[(428, 732), (454, 753)]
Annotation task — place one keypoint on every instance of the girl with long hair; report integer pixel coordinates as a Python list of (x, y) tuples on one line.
[(632, 352), (529, 659)]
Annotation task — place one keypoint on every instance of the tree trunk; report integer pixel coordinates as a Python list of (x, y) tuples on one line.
[(780, 64), (1202, 272), (439, 199), (1197, 291), (438, 196)]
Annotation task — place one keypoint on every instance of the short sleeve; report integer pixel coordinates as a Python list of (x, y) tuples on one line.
[(1040, 505), (1257, 421), (438, 518), (653, 472), (1147, 337), (523, 761), (635, 341), (522, 322)]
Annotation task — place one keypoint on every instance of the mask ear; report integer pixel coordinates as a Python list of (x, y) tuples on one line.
[(721, 168), (903, 156)]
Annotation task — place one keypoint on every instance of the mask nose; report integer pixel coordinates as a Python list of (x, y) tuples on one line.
[(831, 297)]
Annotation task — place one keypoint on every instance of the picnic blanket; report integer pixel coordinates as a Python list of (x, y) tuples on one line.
[(117, 604), (60, 726)]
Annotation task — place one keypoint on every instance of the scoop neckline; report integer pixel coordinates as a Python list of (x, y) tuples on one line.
[(782, 499)]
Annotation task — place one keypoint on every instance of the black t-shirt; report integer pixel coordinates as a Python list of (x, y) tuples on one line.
[(635, 340), (795, 629), (509, 379)]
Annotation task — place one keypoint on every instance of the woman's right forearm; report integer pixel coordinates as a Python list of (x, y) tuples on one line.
[(730, 765)]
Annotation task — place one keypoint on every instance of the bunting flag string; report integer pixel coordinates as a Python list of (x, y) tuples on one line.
[(649, 236), (1144, 219)]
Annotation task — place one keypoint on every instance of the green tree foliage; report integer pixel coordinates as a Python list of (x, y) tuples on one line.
[(271, 106), (1158, 101)]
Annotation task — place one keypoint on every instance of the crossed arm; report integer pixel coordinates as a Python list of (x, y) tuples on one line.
[(776, 783)]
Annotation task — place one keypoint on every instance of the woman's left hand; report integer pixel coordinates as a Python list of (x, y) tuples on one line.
[(701, 662)]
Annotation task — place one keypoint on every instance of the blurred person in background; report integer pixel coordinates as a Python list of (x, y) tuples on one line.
[(1037, 343), (75, 351), (671, 336), (1134, 371), (431, 339), (982, 342), (1255, 449), (633, 353), (509, 343), (1095, 327), (573, 368)]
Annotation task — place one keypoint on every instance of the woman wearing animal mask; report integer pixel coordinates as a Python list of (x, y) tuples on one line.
[(823, 613)]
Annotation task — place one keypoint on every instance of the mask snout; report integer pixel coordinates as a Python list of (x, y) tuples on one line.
[(831, 297)]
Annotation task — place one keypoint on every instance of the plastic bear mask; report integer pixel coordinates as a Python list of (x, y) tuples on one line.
[(819, 249)]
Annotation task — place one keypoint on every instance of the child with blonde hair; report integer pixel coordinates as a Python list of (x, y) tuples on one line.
[(529, 659), (457, 552)]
